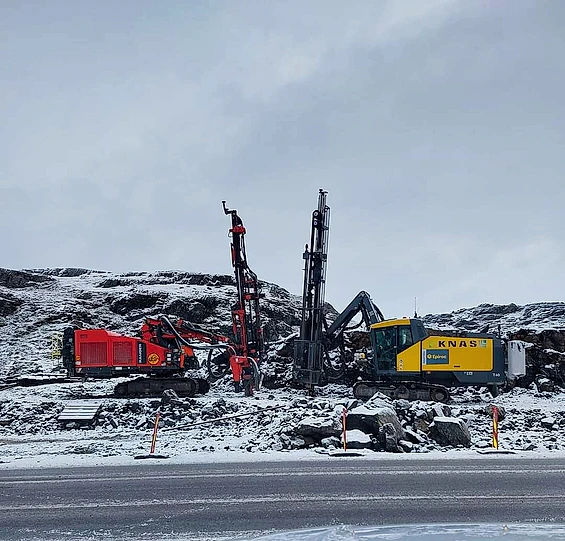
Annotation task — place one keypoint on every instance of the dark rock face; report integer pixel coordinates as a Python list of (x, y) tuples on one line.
[(545, 385), (137, 301), (114, 282), (548, 339), (195, 311), (509, 317), (206, 279), (9, 304), (543, 363), (68, 272), (13, 279)]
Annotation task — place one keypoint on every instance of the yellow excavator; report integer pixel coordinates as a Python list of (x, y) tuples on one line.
[(404, 361), (407, 362)]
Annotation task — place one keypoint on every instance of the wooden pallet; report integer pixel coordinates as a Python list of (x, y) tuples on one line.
[(80, 411)]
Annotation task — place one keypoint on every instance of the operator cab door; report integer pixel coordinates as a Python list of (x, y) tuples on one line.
[(389, 342)]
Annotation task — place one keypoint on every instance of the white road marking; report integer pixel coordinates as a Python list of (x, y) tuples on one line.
[(280, 500), (294, 473)]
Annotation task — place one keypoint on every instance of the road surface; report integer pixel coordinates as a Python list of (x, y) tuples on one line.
[(205, 501)]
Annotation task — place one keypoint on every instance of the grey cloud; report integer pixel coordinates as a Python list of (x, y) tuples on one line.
[(437, 128)]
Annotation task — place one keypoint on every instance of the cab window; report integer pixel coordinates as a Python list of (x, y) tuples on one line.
[(404, 337)]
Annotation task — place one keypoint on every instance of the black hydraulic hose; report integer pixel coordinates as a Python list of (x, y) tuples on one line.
[(188, 344), (215, 375)]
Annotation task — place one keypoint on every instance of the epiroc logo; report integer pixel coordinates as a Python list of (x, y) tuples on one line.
[(462, 343), (436, 356)]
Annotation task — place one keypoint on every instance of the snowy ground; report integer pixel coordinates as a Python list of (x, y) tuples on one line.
[(30, 435), (37, 304)]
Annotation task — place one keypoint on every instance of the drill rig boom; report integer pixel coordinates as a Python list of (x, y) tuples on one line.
[(246, 319), (308, 349)]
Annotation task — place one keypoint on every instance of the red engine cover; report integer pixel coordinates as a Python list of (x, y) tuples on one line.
[(98, 348)]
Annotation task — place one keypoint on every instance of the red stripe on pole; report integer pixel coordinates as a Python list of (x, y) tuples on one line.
[(344, 433)]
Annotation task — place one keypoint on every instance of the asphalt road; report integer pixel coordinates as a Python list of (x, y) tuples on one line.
[(165, 501)]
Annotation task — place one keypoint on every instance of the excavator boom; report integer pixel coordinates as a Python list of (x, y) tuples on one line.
[(361, 304)]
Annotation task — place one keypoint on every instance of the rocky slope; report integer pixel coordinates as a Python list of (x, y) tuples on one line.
[(36, 304), (510, 318)]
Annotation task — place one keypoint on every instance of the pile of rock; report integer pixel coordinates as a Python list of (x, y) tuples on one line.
[(383, 425)]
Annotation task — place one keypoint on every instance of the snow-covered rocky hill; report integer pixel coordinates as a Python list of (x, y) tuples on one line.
[(35, 304), (511, 318)]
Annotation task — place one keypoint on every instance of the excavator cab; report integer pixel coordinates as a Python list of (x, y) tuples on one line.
[(391, 337)]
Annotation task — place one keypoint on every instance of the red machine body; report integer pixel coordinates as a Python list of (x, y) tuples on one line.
[(106, 351), (163, 352)]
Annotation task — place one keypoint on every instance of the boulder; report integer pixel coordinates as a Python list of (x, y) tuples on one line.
[(544, 385), (372, 416), (297, 442), (450, 431), (501, 411), (413, 437), (547, 339), (389, 439), (422, 425), (548, 422), (406, 446), (170, 397), (318, 428), (358, 440), (440, 410), (331, 442)]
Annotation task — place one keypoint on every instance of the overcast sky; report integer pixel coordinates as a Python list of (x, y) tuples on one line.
[(436, 126)]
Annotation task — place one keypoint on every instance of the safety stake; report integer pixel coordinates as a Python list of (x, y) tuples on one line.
[(494, 427), (152, 453), (344, 434), (154, 438)]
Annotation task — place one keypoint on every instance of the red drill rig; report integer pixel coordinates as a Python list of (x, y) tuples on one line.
[(164, 352), (249, 347)]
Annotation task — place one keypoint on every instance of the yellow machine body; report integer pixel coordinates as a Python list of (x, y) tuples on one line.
[(402, 347)]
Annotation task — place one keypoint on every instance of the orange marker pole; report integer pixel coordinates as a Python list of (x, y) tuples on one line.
[(154, 438), (344, 432), (495, 427)]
